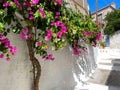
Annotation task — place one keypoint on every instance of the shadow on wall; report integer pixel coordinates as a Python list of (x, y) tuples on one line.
[(113, 80)]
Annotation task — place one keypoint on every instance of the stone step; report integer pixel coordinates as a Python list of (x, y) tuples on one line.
[(91, 86), (109, 64), (109, 67), (110, 61)]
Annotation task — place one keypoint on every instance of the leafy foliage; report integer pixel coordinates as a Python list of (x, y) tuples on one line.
[(113, 22), (47, 22)]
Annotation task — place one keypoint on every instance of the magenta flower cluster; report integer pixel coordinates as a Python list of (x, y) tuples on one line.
[(62, 26), (87, 33), (76, 49), (31, 17), (48, 57), (49, 35), (38, 44), (6, 4), (35, 2), (18, 4), (59, 2), (24, 34), (42, 13), (8, 49), (27, 4), (98, 36)]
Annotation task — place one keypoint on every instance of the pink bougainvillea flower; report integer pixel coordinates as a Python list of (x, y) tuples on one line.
[(76, 51), (57, 13), (8, 59), (27, 4), (13, 50), (38, 44), (48, 57), (6, 42), (9, 49), (25, 30), (18, 4), (49, 35), (6, 4), (31, 18), (87, 33), (59, 2), (58, 23), (31, 12), (23, 36), (56, 17), (52, 23), (42, 13), (59, 34), (1, 55), (29, 35), (64, 29), (35, 2), (98, 37)]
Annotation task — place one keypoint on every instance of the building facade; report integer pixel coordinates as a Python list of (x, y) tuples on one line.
[(82, 5), (103, 12)]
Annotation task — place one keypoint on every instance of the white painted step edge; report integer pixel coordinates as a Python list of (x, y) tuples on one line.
[(91, 86), (107, 67), (109, 61)]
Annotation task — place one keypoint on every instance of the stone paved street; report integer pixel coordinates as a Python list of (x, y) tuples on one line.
[(105, 77)]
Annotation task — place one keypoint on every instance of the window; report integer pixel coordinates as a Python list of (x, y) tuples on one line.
[(100, 18)]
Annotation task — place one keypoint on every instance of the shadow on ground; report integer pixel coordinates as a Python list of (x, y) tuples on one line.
[(113, 80)]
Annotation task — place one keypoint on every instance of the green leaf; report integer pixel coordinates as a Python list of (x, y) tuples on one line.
[(37, 14), (1, 26), (1, 11), (14, 30)]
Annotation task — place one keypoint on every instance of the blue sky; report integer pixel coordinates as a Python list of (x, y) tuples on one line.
[(102, 3)]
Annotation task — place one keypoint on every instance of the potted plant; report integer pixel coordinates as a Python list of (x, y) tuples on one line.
[(102, 44)]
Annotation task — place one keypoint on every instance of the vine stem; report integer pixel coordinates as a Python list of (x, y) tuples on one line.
[(35, 63)]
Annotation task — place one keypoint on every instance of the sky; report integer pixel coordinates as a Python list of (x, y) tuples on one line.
[(102, 3)]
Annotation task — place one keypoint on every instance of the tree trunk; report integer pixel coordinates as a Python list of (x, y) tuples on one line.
[(35, 63)]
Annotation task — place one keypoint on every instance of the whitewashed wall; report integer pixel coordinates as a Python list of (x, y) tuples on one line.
[(115, 40), (65, 73)]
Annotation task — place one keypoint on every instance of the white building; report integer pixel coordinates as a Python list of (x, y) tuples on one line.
[(103, 12)]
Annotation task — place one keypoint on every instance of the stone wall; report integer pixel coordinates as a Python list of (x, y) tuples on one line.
[(66, 73)]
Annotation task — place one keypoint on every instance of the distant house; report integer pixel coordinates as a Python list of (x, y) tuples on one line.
[(82, 5), (102, 13), (102, 23)]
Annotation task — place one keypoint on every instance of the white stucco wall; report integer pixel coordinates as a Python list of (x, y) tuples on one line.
[(115, 40), (15, 74), (58, 75)]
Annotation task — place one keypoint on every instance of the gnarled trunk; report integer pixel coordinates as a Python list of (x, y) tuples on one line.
[(35, 63)]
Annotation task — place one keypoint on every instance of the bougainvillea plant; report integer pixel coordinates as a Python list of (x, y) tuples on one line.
[(44, 23)]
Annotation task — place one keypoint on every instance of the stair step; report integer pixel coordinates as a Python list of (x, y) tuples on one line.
[(109, 67), (115, 61), (109, 64), (92, 86)]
